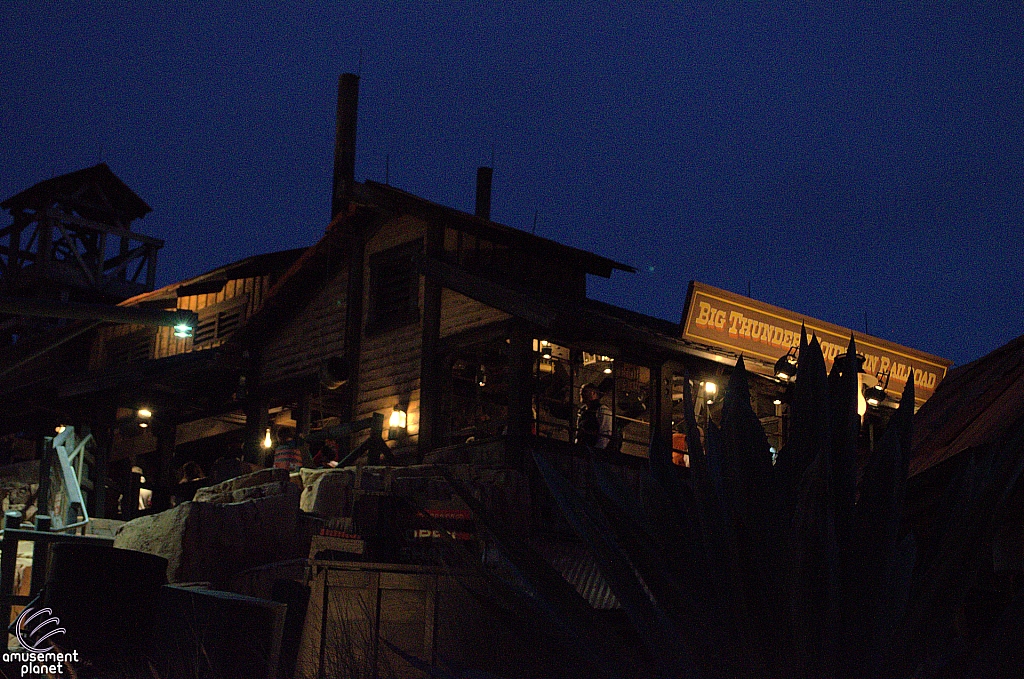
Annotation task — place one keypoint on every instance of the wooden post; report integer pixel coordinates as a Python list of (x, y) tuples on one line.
[(520, 392), (40, 555), (353, 322), (166, 439), (45, 245), (122, 274), (14, 255), (130, 499), (430, 396), (151, 267), (99, 482), (255, 407), (661, 417), (304, 414), (257, 419)]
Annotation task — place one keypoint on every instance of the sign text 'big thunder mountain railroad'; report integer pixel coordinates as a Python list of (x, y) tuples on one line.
[(741, 325)]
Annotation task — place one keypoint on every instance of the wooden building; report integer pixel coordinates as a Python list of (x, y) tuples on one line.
[(479, 333)]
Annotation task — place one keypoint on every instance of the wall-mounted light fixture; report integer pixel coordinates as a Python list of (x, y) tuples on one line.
[(710, 391), (785, 367), (876, 395), (608, 368), (184, 323), (397, 422), (268, 441), (545, 349)]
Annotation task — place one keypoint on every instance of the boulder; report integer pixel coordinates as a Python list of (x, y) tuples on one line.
[(209, 541), (261, 483), (328, 492)]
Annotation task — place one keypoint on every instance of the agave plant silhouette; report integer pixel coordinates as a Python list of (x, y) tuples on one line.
[(754, 569)]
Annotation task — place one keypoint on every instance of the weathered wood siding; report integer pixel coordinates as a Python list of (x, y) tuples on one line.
[(248, 293), (460, 313), (253, 290), (315, 334), (389, 364)]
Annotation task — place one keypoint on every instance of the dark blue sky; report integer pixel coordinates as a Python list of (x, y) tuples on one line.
[(841, 162)]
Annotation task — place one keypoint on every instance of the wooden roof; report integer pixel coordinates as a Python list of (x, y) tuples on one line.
[(977, 403), (581, 319), (79, 188), (214, 280), (406, 203)]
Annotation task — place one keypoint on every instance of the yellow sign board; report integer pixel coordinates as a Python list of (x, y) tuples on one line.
[(741, 325)]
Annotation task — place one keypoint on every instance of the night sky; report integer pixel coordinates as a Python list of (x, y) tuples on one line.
[(840, 163)]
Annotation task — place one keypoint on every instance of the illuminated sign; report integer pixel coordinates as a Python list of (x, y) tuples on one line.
[(741, 325)]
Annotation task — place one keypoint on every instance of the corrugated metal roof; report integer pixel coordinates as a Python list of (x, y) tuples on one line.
[(977, 403), (578, 567)]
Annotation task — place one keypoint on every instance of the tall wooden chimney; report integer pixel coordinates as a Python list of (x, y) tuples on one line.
[(483, 191), (345, 142)]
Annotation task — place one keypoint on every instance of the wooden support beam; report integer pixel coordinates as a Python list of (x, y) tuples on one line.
[(257, 417), (73, 248), (120, 262), (45, 249), (103, 453), (354, 313), (661, 417), (61, 216), (303, 413), (520, 392), (166, 431), (430, 392), (151, 268)]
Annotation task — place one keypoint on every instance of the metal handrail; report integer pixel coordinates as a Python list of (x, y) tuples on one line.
[(76, 503)]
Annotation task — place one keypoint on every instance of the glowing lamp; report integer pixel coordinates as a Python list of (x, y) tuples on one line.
[(183, 330), (268, 441), (397, 422), (145, 413), (875, 395), (785, 367)]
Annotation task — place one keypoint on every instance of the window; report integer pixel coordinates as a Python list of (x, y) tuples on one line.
[(476, 393), (394, 288), (218, 321)]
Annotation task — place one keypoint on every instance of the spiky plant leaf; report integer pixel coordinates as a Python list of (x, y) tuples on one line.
[(658, 632), (874, 557), (845, 426), (549, 597)]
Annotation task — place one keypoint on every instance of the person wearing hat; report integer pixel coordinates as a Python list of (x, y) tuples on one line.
[(594, 419)]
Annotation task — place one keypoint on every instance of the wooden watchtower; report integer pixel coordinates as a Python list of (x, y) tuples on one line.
[(71, 239)]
